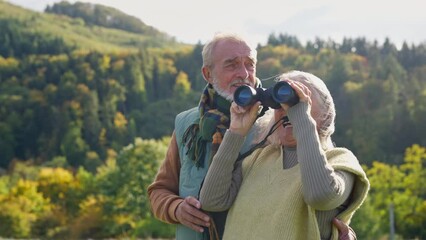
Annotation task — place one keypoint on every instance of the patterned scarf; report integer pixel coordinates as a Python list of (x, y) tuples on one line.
[(210, 127)]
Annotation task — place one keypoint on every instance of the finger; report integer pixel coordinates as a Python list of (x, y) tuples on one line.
[(193, 226), (240, 109), (192, 207), (298, 87), (351, 234), (197, 217), (305, 90), (193, 202), (341, 226), (255, 109), (185, 212), (198, 214), (234, 106), (301, 90), (237, 109)]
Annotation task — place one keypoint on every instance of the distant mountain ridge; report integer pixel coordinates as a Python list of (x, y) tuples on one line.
[(82, 26)]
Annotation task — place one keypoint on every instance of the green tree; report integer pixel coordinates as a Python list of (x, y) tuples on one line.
[(124, 185), (366, 222), (7, 145), (73, 146), (402, 188), (134, 81), (338, 75), (413, 217), (182, 86), (20, 208), (67, 87)]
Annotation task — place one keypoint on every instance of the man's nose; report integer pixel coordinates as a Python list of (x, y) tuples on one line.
[(243, 72)]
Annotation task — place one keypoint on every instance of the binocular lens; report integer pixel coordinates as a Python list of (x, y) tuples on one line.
[(281, 92), (284, 93), (244, 95)]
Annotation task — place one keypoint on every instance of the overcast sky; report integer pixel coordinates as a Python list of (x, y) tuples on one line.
[(191, 21)]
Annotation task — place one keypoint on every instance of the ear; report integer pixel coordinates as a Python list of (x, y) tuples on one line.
[(207, 74)]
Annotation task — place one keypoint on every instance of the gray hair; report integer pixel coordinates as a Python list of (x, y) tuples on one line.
[(326, 115), (210, 46)]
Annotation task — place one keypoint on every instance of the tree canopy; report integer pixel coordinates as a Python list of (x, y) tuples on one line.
[(87, 104)]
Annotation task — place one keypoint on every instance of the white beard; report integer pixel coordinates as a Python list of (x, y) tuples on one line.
[(227, 95), (223, 93)]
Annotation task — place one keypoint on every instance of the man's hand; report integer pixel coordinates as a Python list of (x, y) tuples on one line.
[(242, 118), (189, 214), (345, 232)]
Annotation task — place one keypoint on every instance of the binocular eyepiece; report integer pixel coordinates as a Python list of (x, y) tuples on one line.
[(271, 97)]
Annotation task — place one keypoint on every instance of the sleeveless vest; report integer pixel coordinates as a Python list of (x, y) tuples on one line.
[(191, 176)]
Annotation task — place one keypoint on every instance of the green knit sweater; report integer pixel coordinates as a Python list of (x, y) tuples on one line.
[(324, 181), (270, 203)]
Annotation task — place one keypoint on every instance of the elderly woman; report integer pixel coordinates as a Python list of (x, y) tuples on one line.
[(295, 185)]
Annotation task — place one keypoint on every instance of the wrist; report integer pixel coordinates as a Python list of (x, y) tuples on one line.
[(174, 215), (238, 131)]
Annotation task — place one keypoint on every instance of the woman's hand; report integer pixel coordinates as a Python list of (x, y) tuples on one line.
[(242, 118), (302, 91)]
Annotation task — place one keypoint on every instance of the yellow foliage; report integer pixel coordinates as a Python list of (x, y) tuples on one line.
[(48, 176), (78, 53), (83, 88), (37, 96), (58, 58), (92, 155), (104, 63), (102, 137), (166, 66), (109, 166), (358, 62), (416, 156), (91, 204), (20, 208), (118, 65), (15, 98), (270, 63), (9, 63), (124, 219), (24, 187), (182, 85), (74, 105), (90, 216), (286, 51), (55, 183), (113, 83), (111, 154), (352, 86), (120, 120), (88, 72), (50, 88)]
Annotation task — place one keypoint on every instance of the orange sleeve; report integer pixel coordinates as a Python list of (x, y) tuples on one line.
[(163, 193)]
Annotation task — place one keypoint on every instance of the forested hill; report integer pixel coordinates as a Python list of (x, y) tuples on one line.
[(81, 88), (78, 26), (88, 99), (71, 87)]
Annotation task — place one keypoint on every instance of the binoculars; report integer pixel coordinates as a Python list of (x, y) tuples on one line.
[(271, 97)]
